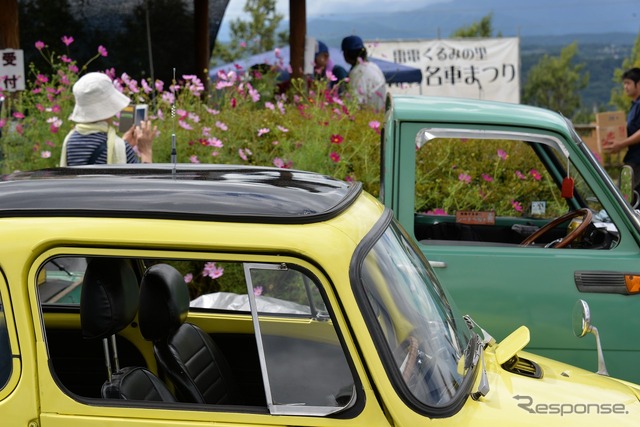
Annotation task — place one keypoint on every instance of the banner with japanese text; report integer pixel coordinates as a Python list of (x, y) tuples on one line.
[(463, 68)]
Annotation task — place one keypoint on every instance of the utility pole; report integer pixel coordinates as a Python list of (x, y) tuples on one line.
[(9, 25)]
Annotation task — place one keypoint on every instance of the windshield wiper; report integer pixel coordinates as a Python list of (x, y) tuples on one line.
[(477, 346)]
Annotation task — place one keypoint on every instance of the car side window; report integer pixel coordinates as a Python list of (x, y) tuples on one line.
[(5, 349), (270, 321), (60, 280), (488, 192)]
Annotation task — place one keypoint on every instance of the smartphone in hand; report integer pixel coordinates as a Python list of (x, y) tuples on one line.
[(132, 115)]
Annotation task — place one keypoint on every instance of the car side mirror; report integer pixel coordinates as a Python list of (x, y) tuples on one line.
[(581, 320)]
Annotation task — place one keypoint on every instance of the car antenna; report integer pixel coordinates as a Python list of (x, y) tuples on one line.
[(173, 133)]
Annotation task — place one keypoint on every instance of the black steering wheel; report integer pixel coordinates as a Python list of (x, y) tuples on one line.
[(587, 217)]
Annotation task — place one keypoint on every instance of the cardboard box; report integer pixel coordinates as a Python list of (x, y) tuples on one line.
[(589, 135), (611, 126)]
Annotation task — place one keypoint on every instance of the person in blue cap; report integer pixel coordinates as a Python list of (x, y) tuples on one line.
[(366, 80), (324, 64)]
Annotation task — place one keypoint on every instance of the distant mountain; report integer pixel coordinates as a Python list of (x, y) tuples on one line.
[(509, 18)]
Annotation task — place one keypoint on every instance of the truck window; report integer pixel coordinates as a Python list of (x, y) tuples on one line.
[(495, 192)]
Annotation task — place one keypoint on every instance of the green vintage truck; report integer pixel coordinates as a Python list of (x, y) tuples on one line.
[(519, 220)]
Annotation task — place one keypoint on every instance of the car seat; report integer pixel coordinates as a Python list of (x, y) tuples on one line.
[(108, 304), (185, 353)]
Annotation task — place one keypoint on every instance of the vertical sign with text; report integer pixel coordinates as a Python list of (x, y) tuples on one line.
[(12, 76)]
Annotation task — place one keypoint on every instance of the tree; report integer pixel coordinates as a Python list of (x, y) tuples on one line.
[(555, 82), (618, 98), (482, 28), (256, 35)]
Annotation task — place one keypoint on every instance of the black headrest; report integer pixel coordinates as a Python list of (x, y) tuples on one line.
[(109, 298), (164, 301)]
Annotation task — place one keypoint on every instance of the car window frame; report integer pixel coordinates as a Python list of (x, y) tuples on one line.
[(327, 289)]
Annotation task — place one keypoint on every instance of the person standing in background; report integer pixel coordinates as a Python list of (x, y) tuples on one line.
[(366, 80), (93, 140), (631, 85), (324, 64)]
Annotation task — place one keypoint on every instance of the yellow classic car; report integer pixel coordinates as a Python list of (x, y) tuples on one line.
[(199, 295)]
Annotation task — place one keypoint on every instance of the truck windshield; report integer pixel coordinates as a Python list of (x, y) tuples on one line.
[(421, 337)]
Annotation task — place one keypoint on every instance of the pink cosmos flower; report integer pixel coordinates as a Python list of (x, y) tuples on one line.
[(45, 154), (437, 211), (330, 76), (214, 142), (375, 125), (145, 86), (335, 157), (188, 277), (194, 117), (194, 159), (222, 84), (67, 40), (516, 205), (184, 125), (18, 115), (168, 97), (159, 84), (281, 107), (2, 123), (206, 131), (210, 270), (487, 177), (282, 129), (263, 131), (255, 95), (503, 154), (212, 111), (278, 162), (50, 144), (102, 50), (39, 45), (73, 68), (520, 175), (243, 44), (463, 177), (269, 105), (535, 174), (65, 59), (336, 139), (221, 126)]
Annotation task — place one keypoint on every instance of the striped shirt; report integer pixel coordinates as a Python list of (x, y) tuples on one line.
[(80, 148)]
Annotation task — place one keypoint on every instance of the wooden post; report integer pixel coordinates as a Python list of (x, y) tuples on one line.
[(9, 25), (202, 50), (297, 35)]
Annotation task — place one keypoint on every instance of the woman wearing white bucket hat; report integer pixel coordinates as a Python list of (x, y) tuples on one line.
[(93, 140)]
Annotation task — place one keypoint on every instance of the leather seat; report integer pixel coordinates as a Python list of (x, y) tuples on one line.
[(108, 303), (185, 353)]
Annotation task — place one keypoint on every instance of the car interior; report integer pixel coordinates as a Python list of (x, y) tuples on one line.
[(135, 329)]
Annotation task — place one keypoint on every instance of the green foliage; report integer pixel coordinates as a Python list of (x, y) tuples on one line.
[(618, 98), (256, 35), (555, 81), (244, 121), (482, 28), (481, 175)]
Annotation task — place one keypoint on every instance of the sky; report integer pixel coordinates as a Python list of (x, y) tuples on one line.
[(317, 8)]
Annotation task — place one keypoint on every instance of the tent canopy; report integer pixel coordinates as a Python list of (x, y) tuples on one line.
[(279, 58)]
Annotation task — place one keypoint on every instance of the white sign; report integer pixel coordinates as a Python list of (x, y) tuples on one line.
[(12, 76), (462, 68)]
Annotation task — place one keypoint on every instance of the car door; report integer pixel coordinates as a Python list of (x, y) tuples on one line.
[(478, 194)]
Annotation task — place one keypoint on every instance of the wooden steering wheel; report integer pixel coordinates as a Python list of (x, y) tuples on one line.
[(574, 234)]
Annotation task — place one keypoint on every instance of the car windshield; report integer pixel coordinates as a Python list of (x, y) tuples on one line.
[(422, 338)]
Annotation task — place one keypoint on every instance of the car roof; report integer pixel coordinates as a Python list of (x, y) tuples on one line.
[(472, 111), (184, 191)]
